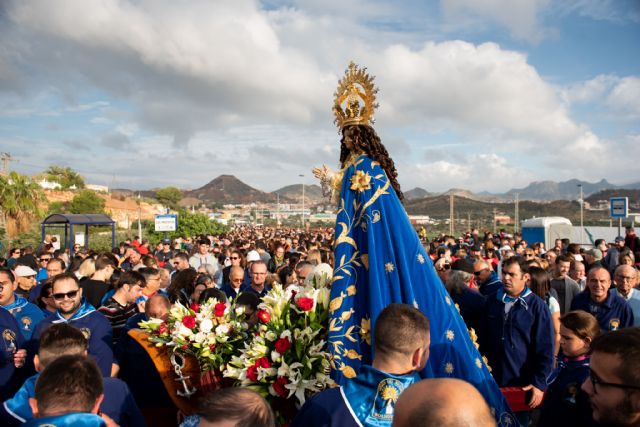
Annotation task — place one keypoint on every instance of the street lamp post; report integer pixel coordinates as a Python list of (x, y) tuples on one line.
[(302, 176), (581, 214)]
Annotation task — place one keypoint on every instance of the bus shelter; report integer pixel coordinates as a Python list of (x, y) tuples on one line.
[(71, 222)]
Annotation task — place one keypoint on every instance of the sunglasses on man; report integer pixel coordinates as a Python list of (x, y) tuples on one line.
[(62, 295)]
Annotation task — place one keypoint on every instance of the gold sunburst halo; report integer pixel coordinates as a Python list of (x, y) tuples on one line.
[(355, 98)]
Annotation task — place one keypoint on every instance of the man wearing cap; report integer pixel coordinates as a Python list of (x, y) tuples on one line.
[(26, 279), (460, 285), (610, 261), (475, 252), (626, 280), (611, 310), (593, 258), (27, 314), (164, 255)]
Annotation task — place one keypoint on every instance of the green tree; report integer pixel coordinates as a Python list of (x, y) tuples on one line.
[(20, 200), (87, 202), (57, 207), (189, 224), (66, 177), (169, 197)]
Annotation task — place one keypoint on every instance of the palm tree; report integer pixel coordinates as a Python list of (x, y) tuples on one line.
[(66, 177), (20, 199)]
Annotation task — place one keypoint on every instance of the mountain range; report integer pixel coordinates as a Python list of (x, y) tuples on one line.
[(541, 191), (227, 189)]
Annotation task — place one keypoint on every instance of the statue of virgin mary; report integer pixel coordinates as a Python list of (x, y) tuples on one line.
[(379, 258)]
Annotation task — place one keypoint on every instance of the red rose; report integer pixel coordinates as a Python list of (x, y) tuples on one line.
[(305, 304), (282, 345), (219, 309), (252, 373), (212, 347), (195, 307), (163, 329), (264, 316), (189, 321), (263, 362), (184, 347), (279, 386)]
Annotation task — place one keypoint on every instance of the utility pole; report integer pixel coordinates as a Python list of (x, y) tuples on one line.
[(5, 158), (278, 210), (581, 201), (451, 219), (139, 223), (517, 218), (302, 176), (495, 228)]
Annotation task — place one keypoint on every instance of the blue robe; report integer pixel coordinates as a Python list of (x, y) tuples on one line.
[(380, 260), (93, 325)]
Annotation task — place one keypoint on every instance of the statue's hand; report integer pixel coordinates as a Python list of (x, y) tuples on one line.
[(322, 173)]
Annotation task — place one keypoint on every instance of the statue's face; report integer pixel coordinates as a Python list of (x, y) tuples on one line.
[(348, 140)]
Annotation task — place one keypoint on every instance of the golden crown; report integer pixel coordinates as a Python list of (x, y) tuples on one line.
[(355, 98)]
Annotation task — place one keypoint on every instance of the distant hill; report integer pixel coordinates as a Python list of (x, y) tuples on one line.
[(633, 195), (417, 193), (551, 190), (438, 207), (227, 189), (293, 193)]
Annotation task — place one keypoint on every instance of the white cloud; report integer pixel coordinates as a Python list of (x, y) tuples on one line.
[(250, 88), (521, 17), (617, 96), (488, 172), (625, 97)]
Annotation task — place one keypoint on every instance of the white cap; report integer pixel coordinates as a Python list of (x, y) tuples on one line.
[(253, 256), (24, 271)]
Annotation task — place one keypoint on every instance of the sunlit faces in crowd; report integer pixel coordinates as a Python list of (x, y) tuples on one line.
[(67, 295), (514, 280), (599, 282)]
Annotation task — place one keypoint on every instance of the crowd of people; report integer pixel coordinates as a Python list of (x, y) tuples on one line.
[(558, 327)]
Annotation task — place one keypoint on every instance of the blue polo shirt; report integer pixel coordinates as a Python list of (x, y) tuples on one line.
[(612, 314)]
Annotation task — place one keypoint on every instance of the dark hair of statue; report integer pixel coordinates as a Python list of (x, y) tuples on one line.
[(366, 139)]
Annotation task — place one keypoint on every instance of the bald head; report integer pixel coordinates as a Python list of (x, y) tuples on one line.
[(438, 402), (157, 306)]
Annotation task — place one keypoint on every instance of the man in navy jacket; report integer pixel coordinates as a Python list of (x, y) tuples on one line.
[(612, 311), (517, 334)]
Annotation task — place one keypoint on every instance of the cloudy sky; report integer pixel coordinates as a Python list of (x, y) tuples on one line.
[(475, 94)]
